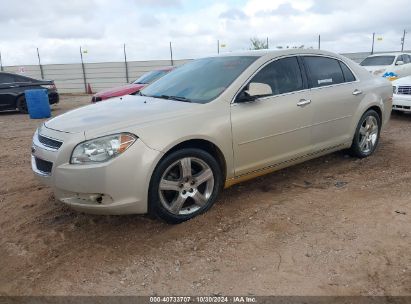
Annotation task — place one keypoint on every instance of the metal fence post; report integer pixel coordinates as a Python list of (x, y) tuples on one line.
[(1, 64), (84, 71), (171, 55), (125, 62), (402, 41), (41, 67)]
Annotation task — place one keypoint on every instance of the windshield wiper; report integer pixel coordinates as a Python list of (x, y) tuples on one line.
[(179, 98)]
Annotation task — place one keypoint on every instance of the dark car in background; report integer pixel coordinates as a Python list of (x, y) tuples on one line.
[(12, 89), (132, 88)]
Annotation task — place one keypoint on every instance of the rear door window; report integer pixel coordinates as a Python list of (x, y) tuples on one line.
[(323, 71)]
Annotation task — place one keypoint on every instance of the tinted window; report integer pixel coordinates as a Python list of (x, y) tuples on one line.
[(348, 75), (18, 78), (200, 80), (406, 58), (400, 58), (378, 60), (6, 78), (323, 71), (282, 76), (150, 77)]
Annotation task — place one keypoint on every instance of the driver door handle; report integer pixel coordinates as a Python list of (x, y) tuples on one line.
[(356, 92), (303, 102)]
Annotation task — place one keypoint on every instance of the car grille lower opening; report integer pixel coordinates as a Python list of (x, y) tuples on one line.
[(404, 90), (43, 165), (48, 142)]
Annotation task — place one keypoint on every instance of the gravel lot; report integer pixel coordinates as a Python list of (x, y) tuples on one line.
[(332, 226)]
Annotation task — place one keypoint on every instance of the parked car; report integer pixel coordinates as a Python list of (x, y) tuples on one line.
[(401, 100), (389, 65), (209, 124), (132, 88), (12, 87)]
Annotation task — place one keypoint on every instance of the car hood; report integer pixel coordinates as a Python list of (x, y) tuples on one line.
[(119, 91), (402, 81), (377, 68), (118, 113)]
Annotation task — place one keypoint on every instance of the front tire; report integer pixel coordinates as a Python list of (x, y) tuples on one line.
[(367, 135), (185, 184)]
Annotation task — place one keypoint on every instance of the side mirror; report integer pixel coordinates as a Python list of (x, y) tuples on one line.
[(253, 91), (399, 62), (259, 89)]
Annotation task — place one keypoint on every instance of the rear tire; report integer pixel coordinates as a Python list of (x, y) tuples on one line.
[(21, 104), (366, 135), (185, 184)]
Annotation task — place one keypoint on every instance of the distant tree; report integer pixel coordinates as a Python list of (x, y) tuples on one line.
[(258, 44)]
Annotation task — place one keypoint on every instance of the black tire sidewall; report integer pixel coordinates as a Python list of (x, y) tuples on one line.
[(154, 204), (21, 104), (355, 148)]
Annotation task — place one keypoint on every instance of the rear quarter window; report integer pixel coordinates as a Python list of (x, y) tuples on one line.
[(323, 71), (348, 75)]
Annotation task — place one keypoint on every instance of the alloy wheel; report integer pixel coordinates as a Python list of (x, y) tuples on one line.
[(368, 136), (186, 186)]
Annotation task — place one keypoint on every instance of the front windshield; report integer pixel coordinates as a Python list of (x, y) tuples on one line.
[(378, 60), (200, 80), (150, 77)]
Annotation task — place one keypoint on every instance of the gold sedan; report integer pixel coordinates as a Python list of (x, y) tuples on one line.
[(206, 125)]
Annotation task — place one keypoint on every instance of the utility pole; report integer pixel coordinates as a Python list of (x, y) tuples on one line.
[(1, 64), (319, 42), (41, 67), (84, 71), (171, 55), (372, 46), (218, 46), (267, 44), (403, 41), (125, 62)]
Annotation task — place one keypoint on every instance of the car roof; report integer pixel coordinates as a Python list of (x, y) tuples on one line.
[(277, 53), (388, 54), (166, 68)]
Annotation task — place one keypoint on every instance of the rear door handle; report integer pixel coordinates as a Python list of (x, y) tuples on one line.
[(357, 92), (303, 102)]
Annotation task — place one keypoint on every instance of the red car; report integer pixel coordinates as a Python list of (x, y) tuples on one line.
[(133, 87)]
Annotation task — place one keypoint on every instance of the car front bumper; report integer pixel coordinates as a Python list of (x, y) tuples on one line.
[(401, 103), (118, 186)]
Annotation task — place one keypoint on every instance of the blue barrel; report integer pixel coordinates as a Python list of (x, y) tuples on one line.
[(38, 104)]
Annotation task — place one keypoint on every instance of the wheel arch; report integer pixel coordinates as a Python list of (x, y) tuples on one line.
[(376, 109), (204, 145)]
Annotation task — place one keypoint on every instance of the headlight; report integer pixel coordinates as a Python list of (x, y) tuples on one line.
[(102, 149), (394, 89)]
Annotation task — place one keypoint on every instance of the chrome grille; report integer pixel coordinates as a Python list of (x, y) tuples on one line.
[(404, 90), (49, 142)]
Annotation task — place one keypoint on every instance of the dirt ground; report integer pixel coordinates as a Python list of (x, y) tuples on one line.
[(332, 226)]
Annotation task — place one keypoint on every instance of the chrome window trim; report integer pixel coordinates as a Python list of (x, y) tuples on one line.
[(293, 92)]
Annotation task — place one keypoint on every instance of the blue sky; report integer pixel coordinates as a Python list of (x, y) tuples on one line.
[(59, 28)]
